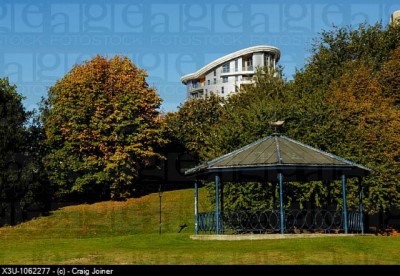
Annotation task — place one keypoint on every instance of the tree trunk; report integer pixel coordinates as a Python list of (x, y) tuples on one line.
[(12, 212)]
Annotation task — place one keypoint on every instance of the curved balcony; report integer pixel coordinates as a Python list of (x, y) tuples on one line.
[(195, 88)]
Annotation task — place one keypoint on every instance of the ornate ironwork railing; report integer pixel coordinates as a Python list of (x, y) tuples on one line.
[(295, 221), (206, 222)]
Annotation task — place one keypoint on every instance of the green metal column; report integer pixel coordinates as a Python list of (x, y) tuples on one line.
[(196, 209), (221, 213), (217, 204), (344, 204), (280, 177), (361, 208)]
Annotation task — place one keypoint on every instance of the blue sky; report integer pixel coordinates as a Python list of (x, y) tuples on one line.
[(41, 40)]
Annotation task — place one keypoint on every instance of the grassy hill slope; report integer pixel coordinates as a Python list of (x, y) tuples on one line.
[(109, 218), (127, 233)]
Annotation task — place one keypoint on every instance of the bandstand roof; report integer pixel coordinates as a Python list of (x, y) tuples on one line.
[(264, 159)]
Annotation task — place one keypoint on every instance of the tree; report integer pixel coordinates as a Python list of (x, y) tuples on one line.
[(12, 142), (330, 53), (390, 76), (344, 101), (102, 126), (39, 190), (365, 125), (246, 117), (346, 104), (190, 127)]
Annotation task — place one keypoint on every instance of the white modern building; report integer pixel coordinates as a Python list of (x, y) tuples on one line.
[(395, 18), (225, 75)]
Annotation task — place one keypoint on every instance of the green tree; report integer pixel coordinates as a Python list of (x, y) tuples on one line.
[(12, 143), (190, 127), (246, 117), (38, 189), (102, 126)]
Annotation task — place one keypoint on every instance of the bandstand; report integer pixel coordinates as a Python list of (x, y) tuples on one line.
[(280, 159)]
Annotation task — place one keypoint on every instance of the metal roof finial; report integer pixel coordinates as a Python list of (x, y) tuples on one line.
[(277, 124)]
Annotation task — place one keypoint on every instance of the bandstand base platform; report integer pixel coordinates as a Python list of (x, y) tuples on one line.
[(268, 236)]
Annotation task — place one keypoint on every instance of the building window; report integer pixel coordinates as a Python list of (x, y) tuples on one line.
[(236, 78), (225, 68), (215, 81), (215, 73), (206, 92), (222, 90), (208, 82), (236, 65), (224, 79), (248, 63), (266, 59)]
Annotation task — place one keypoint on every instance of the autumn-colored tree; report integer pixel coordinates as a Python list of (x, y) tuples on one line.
[(102, 126), (390, 76), (330, 53), (365, 125), (346, 104)]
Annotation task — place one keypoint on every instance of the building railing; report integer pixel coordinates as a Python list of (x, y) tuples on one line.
[(249, 68), (195, 87), (295, 221), (247, 78), (225, 70)]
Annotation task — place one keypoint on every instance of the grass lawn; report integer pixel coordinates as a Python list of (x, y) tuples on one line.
[(127, 233)]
